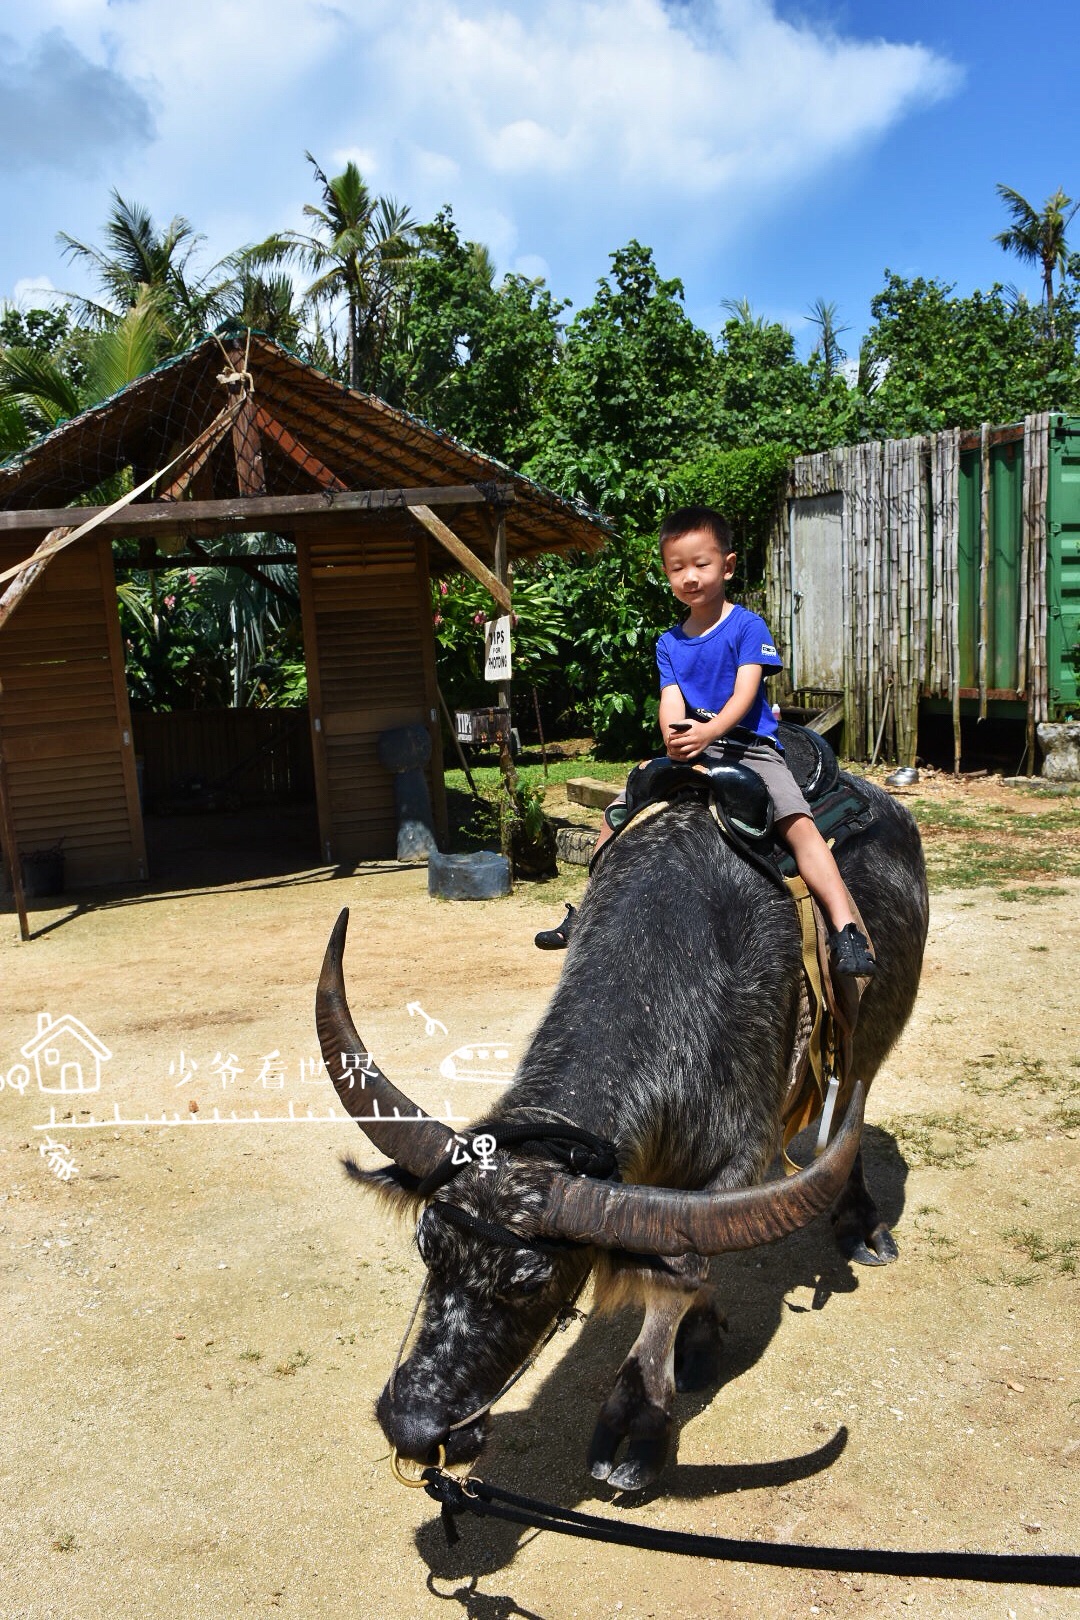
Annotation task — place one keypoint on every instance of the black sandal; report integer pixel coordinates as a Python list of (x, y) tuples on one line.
[(557, 939), (849, 952)]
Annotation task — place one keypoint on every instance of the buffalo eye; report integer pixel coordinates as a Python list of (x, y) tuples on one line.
[(531, 1273)]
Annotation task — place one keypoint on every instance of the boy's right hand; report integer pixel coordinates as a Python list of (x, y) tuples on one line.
[(687, 738)]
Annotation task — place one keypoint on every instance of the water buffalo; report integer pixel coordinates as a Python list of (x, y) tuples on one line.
[(669, 1036)]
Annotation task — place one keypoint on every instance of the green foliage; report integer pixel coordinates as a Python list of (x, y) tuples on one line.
[(358, 251), (765, 395), (746, 485), (955, 362), (460, 609), (213, 637), (471, 356), (631, 393)]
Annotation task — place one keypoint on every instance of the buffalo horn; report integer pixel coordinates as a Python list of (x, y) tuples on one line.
[(397, 1127), (665, 1221)]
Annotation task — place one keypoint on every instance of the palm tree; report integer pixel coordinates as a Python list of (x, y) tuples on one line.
[(823, 315), (739, 310), (140, 262), (38, 390), (1039, 237), (358, 248)]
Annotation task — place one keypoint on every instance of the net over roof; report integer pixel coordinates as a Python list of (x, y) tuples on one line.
[(314, 436)]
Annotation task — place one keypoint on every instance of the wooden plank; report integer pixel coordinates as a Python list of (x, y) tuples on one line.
[(367, 723), (821, 723), (256, 511), (460, 551), (313, 663), (9, 842), (247, 451), (435, 769), (972, 438), (296, 452)]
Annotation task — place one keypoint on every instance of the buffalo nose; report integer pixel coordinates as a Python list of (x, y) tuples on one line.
[(416, 1435)]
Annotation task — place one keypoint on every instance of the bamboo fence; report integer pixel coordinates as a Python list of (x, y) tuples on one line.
[(900, 551)]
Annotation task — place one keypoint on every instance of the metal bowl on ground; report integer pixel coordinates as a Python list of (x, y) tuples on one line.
[(903, 776)]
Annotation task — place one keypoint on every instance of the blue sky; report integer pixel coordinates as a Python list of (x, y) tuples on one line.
[(776, 151)]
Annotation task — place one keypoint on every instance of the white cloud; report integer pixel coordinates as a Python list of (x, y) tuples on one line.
[(35, 292), (363, 156), (556, 128)]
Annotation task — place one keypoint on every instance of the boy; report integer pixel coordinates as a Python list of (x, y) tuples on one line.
[(713, 703)]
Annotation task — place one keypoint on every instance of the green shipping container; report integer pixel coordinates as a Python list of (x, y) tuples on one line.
[(1004, 594)]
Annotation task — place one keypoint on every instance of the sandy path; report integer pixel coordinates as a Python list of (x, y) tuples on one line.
[(195, 1324)]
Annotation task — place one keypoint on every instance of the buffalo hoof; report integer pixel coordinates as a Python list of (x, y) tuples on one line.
[(646, 1450), (877, 1248), (641, 1467), (602, 1448), (697, 1350)]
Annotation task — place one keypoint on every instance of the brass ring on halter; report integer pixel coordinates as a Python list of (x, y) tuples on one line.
[(414, 1481)]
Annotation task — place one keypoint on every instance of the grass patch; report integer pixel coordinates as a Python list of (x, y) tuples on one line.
[(289, 1368), (65, 1542), (970, 846), (999, 1073), (1045, 1257), (942, 1248), (946, 1141), (251, 1355)]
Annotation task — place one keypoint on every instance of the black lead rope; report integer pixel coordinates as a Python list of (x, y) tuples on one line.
[(473, 1495)]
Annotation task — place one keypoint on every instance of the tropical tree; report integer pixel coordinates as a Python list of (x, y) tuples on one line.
[(358, 249), (946, 361), (823, 315), (1038, 237), (468, 355), (42, 385), (144, 266)]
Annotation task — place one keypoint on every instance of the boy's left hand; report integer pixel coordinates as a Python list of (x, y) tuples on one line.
[(684, 745)]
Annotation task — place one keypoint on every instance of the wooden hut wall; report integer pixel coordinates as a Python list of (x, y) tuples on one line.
[(65, 719), (369, 646)]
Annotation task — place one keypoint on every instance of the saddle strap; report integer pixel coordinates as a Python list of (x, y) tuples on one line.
[(831, 1007)]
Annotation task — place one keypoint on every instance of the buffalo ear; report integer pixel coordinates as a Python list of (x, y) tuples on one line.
[(396, 1187)]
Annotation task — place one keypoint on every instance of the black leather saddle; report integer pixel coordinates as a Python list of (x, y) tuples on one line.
[(742, 802)]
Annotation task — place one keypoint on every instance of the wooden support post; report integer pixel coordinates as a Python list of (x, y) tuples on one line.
[(247, 443), (7, 837), (506, 755), (445, 535)]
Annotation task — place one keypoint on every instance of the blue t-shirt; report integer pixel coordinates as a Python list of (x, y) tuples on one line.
[(704, 667)]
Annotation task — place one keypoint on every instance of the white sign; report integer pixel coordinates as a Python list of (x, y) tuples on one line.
[(497, 649)]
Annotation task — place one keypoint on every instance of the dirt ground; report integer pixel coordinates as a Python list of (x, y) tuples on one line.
[(195, 1322)]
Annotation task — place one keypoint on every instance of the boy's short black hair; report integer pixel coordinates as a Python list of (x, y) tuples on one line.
[(687, 518)]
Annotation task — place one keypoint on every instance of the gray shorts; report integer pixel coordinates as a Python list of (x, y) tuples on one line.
[(770, 765)]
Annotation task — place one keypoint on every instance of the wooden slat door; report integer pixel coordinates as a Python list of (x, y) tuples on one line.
[(67, 725), (368, 643)]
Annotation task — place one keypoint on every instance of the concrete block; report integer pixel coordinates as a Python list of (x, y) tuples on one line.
[(590, 791), (1061, 749)]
